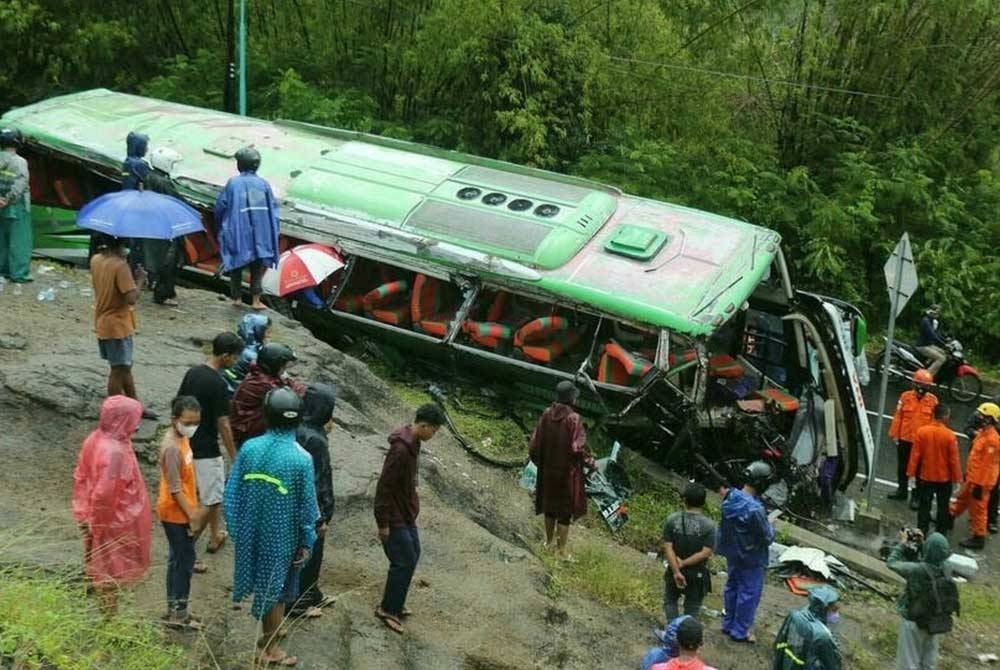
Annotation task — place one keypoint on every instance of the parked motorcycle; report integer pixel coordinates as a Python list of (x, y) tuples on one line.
[(961, 379)]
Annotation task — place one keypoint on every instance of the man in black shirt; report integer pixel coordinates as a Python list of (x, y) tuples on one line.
[(206, 383)]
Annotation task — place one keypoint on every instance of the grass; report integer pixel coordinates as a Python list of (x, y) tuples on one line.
[(602, 576), (48, 622)]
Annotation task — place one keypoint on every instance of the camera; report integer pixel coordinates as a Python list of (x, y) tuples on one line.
[(914, 536)]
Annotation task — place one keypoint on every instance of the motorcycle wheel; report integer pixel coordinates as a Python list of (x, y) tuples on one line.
[(965, 388)]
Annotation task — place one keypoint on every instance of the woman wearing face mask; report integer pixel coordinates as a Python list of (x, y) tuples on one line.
[(805, 640), (177, 507)]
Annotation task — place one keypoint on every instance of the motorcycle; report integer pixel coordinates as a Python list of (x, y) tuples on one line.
[(961, 379)]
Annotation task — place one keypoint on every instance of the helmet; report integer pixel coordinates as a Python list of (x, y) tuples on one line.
[(990, 409), (282, 408), (164, 159), (934, 309), (247, 159), (758, 475), (272, 357), (10, 137), (922, 376)]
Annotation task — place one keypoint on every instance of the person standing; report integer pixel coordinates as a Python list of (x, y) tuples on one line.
[(110, 503), (745, 534), (935, 465), (270, 506), (266, 374), (15, 210), (317, 422), (206, 383), (688, 543), (981, 472), (805, 640), (246, 213), (914, 410), (927, 602), (115, 296), (930, 343), (161, 255), (558, 450), (177, 508), (135, 169), (396, 509)]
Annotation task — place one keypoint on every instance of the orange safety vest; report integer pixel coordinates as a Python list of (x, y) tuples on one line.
[(984, 458), (912, 413), (166, 507)]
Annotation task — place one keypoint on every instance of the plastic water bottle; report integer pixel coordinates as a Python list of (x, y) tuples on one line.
[(48, 295)]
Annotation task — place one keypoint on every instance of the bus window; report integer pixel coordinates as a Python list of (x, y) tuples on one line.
[(764, 344)]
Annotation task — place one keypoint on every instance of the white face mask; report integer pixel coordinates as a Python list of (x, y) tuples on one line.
[(186, 431)]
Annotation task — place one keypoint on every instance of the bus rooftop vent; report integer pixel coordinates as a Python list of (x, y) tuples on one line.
[(636, 242)]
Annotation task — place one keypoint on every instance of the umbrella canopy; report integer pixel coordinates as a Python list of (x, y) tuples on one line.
[(144, 214), (301, 267)]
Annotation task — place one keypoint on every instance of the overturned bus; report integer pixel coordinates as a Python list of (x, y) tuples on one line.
[(682, 328)]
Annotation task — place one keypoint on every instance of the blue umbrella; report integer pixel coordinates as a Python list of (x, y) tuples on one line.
[(144, 214)]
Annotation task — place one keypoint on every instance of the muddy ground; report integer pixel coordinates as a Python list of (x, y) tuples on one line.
[(482, 597)]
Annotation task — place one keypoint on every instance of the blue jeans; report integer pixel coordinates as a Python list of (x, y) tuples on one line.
[(180, 566), (744, 586), (402, 548)]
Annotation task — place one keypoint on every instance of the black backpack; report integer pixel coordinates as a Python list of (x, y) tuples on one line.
[(931, 608)]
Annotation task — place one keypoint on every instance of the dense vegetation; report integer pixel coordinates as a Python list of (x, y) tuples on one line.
[(839, 123)]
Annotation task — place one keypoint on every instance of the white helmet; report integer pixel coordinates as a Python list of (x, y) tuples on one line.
[(164, 159)]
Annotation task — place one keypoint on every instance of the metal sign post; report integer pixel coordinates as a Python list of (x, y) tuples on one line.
[(901, 276), (243, 59)]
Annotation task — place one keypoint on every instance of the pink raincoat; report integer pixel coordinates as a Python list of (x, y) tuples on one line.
[(110, 497)]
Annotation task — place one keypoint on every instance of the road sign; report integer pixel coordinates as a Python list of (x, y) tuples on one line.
[(901, 274)]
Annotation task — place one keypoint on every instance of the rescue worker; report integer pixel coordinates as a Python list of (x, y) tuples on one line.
[(914, 410), (805, 640), (931, 343), (935, 465), (745, 533), (15, 208), (246, 216), (981, 473)]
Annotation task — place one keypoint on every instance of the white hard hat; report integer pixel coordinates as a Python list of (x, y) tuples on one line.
[(164, 159)]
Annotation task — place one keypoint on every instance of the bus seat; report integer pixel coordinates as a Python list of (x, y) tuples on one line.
[(492, 332), (685, 356), (725, 366), (363, 277), (618, 366), (389, 303), (432, 305), (545, 339), (67, 190), (777, 397)]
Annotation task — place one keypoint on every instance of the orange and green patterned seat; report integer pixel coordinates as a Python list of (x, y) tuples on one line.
[(433, 305), (725, 366), (777, 397), (492, 332), (619, 366), (685, 356), (545, 339), (389, 303)]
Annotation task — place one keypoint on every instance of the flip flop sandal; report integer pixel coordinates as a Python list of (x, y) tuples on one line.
[(199, 568), (312, 613), (223, 536), (285, 661), (405, 612), (187, 623), (391, 622), (327, 601), (749, 639)]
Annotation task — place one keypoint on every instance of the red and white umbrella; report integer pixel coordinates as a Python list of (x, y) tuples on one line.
[(301, 267)]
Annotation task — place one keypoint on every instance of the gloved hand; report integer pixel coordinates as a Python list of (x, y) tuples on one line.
[(977, 492)]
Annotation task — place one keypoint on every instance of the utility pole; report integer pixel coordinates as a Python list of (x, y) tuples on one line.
[(229, 92), (243, 57)]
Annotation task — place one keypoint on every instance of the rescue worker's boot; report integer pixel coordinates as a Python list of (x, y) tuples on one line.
[(900, 494), (974, 542), (993, 528), (914, 499)]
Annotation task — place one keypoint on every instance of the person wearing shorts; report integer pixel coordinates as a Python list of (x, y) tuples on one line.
[(115, 296), (206, 383)]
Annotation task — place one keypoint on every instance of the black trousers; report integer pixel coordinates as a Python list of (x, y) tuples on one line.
[(310, 594), (161, 259), (902, 460), (926, 492), (256, 269)]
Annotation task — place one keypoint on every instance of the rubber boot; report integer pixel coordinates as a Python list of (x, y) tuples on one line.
[(898, 495), (974, 542), (914, 500)]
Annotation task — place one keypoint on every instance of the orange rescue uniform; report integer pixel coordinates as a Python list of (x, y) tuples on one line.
[(981, 470), (934, 457), (912, 414)]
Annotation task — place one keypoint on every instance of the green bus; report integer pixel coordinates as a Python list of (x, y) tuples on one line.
[(683, 328)]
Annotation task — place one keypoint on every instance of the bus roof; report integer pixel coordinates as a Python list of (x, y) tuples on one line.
[(645, 261)]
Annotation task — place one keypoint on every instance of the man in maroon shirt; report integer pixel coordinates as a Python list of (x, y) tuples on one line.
[(558, 450), (396, 510)]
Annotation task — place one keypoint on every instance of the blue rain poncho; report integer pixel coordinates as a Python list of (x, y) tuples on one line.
[(246, 213)]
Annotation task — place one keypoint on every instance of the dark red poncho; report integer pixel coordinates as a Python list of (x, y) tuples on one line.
[(558, 451), (247, 414)]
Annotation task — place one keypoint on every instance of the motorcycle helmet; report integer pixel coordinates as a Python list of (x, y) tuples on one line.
[(164, 159), (758, 475), (11, 137), (923, 376), (247, 159), (282, 409), (991, 410), (272, 357)]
